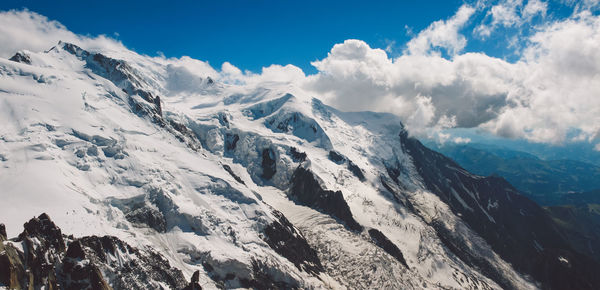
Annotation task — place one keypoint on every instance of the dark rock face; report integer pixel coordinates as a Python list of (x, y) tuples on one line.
[(231, 141), (142, 266), (336, 157), (81, 275), (263, 280), (157, 105), (42, 264), (45, 230), (341, 159), (2, 232), (143, 213), (458, 247), (268, 163), (306, 190), (383, 242), (570, 271), (193, 285), (287, 124), (230, 171), (518, 230), (183, 134), (75, 251), (21, 57), (148, 216), (46, 262), (223, 119), (261, 276), (356, 171), (12, 269), (289, 242), (297, 156), (581, 225)]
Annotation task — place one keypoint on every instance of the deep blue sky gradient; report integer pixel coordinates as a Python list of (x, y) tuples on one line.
[(249, 34)]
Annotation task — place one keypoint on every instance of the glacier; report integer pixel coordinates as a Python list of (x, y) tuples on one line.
[(252, 186)]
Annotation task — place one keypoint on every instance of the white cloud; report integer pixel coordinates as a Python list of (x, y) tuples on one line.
[(186, 74), (272, 74), (510, 13), (422, 89), (551, 91), (26, 30), (560, 90), (506, 13), (461, 140), (533, 8), (442, 34), (230, 69)]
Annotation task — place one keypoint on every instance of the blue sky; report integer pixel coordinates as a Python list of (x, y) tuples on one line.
[(254, 34), (249, 34)]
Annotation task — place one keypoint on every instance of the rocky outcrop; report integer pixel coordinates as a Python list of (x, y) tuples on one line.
[(388, 246), (336, 157), (340, 159), (231, 141), (77, 273), (194, 285), (268, 163), (12, 269), (235, 176), (259, 275), (21, 57), (306, 190), (43, 245), (289, 242), (296, 155), (2, 232), (149, 216), (42, 257)]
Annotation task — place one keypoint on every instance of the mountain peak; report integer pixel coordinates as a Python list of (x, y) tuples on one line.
[(254, 186)]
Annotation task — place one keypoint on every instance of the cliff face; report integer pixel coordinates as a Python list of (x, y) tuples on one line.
[(517, 229), (43, 257)]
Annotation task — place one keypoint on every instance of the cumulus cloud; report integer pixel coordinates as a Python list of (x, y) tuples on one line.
[(510, 13), (560, 90), (545, 96), (442, 34), (272, 74), (425, 90), (186, 74)]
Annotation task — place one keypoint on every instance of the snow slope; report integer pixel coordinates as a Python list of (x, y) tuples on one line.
[(241, 182)]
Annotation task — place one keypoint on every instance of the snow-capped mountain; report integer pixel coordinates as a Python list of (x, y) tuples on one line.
[(152, 176)]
